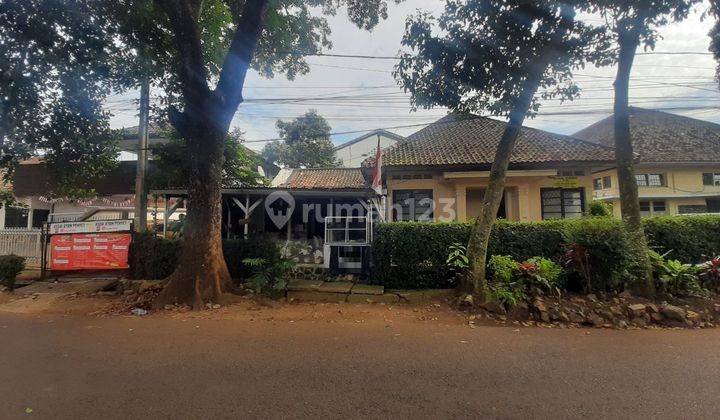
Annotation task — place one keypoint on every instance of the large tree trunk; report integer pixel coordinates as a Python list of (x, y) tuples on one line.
[(202, 275), (624, 157), (475, 282)]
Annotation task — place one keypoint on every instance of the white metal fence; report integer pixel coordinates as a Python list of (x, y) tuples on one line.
[(23, 242)]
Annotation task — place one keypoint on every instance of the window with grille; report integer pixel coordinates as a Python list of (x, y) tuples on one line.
[(650, 180), (413, 205), (653, 208), (607, 182), (713, 205), (558, 203), (712, 179), (16, 217)]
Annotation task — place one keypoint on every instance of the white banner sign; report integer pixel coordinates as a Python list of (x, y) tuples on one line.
[(90, 227)]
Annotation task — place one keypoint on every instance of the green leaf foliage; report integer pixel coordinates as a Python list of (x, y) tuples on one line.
[(478, 54), (170, 164), (306, 143), (154, 258), (598, 208), (10, 267), (268, 276), (60, 59), (414, 255), (691, 239), (502, 268), (54, 74)]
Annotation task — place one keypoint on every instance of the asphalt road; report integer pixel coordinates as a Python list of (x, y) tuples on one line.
[(160, 367)]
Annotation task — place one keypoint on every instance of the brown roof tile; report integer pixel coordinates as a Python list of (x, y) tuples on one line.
[(472, 140), (662, 137), (326, 179)]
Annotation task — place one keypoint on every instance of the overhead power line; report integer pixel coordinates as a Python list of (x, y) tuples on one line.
[(394, 57), (541, 114)]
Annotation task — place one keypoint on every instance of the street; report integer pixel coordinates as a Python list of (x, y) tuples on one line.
[(56, 366)]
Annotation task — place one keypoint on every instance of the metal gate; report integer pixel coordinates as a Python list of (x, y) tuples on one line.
[(26, 243)]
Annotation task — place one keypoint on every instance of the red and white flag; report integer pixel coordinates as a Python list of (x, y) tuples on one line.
[(377, 170)]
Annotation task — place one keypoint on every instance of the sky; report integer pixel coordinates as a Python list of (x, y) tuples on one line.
[(658, 81)]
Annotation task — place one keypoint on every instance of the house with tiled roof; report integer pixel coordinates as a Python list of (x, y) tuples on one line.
[(441, 172), (678, 164)]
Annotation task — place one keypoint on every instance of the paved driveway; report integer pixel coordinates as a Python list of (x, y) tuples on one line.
[(165, 367)]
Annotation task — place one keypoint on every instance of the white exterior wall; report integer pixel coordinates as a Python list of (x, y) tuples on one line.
[(352, 155)]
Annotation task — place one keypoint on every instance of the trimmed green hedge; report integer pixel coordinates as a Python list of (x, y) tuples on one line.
[(156, 258), (412, 255), (690, 239)]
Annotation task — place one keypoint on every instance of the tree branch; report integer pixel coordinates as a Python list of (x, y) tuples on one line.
[(192, 71), (237, 62)]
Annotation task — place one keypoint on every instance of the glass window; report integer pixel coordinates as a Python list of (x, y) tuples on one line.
[(650, 180), (597, 184), (16, 217), (645, 208), (656, 180), (652, 208), (562, 203), (712, 179), (658, 208), (413, 205), (713, 205), (707, 178), (607, 182), (39, 217), (692, 209)]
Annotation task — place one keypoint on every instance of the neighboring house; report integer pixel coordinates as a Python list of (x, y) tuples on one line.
[(115, 193), (441, 172), (678, 167), (352, 153), (115, 197)]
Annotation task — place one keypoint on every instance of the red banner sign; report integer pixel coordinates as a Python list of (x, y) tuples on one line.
[(89, 251)]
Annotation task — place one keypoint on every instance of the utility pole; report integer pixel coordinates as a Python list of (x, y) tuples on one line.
[(142, 160)]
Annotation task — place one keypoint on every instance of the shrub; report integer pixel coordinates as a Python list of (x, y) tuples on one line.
[(10, 267), (510, 281), (611, 257), (502, 268), (710, 274), (540, 275), (153, 258), (268, 277), (156, 258), (598, 208), (414, 255), (677, 278), (506, 294), (408, 255), (691, 239)]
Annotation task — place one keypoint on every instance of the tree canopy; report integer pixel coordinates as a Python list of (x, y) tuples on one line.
[(306, 143), (60, 60), (477, 55), (169, 165), (54, 74)]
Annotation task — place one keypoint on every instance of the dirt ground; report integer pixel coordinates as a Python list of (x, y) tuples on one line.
[(241, 310), (251, 360)]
